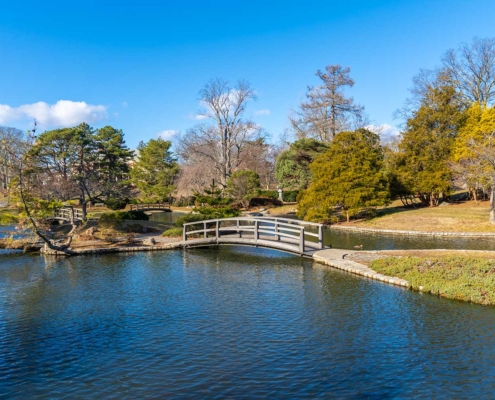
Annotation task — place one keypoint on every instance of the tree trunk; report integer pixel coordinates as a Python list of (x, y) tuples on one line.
[(84, 207), (347, 215), (492, 203)]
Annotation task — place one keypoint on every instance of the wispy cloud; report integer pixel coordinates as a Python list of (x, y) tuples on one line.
[(62, 113), (262, 112), (124, 104), (199, 117), (167, 134)]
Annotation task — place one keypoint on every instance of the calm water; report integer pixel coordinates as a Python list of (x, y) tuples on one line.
[(231, 322), (377, 241)]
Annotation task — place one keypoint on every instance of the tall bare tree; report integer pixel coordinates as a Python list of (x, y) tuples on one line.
[(472, 70), (12, 145), (221, 140), (327, 110)]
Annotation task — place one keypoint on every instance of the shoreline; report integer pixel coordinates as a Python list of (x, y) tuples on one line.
[(348, 261), (410, 233)]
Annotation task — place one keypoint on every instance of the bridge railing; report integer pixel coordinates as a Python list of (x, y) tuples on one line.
[(66, 213), (273, 229), (155, 206)]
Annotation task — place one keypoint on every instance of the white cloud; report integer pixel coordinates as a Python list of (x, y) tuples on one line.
[(62, 113), (167, 134), (124, 104), (386, 131), (262, 112), (200, 117)]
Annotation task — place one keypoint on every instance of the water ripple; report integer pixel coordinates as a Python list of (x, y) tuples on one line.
[(235, 323)]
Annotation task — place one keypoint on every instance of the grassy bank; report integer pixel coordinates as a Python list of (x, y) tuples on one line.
[(464, 217), (462, 278)]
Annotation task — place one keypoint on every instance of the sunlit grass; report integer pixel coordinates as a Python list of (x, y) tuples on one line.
[(460, 278)]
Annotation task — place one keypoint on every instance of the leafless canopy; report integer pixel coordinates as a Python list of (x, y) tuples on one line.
[(12, 146), (327, 111), (472, 70), (218, 144)]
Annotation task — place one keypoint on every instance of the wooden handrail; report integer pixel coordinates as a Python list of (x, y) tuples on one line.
[(156, 206), (294, 231)]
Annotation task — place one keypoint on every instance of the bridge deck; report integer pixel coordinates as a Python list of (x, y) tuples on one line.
[(290, 236)]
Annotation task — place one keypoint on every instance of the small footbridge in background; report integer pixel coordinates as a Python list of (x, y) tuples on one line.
[(65, 214), (150, 207), (293, 236)]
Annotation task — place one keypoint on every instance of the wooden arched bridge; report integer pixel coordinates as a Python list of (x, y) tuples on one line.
[(293, 236), (150, 207), (65, 214)]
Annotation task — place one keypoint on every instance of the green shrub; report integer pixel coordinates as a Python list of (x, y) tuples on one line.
[(218, 212), (116, 204), (243, 185), (118, 216), (8, 219), (264, 201), (270, 194), (179, 223), (173, 232), (290, 196)]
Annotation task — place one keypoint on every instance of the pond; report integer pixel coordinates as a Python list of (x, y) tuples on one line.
[(167, 217), (231, 322)]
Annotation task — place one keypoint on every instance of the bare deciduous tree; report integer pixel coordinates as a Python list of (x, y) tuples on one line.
[(12, 145), (327, 110), (220, 143), (472, 70)]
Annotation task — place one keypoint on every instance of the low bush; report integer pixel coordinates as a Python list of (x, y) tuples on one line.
[(263, 202), (290, 196), (111, 218), (271, 194), (116, 204), (179, 223), (218, 212), (173, 232), (8, 219)]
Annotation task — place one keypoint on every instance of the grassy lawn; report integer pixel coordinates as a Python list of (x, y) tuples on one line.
[(282, 210), (463, 217), (454, 277)]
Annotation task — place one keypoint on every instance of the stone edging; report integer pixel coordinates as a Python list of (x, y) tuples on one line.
[(360, 269), (415, 233), (168, 246)]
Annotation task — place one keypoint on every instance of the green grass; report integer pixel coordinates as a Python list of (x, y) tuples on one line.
[(173, 232), (459, 278)]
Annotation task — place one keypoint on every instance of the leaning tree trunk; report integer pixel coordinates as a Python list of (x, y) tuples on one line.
[(492, 203)]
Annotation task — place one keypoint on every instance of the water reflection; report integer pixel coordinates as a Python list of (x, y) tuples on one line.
[(230, 322)]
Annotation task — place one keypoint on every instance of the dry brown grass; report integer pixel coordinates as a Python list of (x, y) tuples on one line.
[(464, 217), (283, 210)]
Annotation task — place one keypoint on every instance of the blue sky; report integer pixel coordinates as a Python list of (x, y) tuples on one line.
[(139, 66)]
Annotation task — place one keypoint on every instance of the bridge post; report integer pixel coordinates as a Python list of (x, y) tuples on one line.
[(320, 236), (256, 233), (276, 231), (217, 230), (184, 236), (204, 230), (301, 241), (238, 230)]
